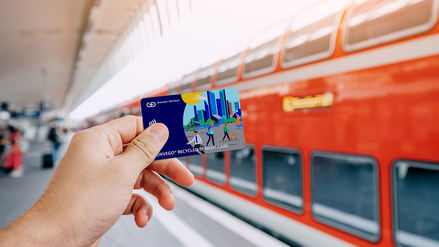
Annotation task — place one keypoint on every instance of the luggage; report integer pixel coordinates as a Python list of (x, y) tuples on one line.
[(47, 161)]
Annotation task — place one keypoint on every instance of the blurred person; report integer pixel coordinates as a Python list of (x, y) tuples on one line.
[(2, 149), (14, 158), (92, 187), (11, 128), (55, 139)]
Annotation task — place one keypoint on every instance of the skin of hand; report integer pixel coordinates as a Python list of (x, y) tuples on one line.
[(93, 186)]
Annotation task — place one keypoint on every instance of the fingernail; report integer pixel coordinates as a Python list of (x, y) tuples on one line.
[(159, 131), (146, 215)]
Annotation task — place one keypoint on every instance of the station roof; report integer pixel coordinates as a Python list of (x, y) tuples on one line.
[(40, 42)]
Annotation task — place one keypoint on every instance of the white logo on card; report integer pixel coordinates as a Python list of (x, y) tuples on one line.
[(150, 104), (152, 122)]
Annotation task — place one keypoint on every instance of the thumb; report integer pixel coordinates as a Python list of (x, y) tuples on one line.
[(144, 148)]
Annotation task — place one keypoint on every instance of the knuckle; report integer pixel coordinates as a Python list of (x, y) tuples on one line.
[(162, 187), (87, 134), (79, 136), (145, 149)]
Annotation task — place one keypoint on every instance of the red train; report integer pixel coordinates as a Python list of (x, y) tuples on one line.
[(340, 108)]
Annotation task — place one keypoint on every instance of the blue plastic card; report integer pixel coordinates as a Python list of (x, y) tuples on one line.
[(198, 123)]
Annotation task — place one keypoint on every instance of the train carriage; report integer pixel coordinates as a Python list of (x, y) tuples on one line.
[(340, 106)]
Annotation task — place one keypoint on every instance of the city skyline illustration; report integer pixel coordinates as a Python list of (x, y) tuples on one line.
[(219, 105)]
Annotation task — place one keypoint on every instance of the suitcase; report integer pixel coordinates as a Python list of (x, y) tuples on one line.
[(47, 161)]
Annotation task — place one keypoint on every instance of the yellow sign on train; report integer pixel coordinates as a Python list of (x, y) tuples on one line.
[(290, 103)]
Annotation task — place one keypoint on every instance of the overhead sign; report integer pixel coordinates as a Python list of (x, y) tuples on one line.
[(290, 103), (31, 113)]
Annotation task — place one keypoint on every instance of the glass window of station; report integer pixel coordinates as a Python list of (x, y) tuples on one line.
[(263, 49), (311, 35), (205, 77), (195, 165), (415, 204), (373, 22), (345, 193), (186, 83), (243, 170), (282, 177), (215, 168)]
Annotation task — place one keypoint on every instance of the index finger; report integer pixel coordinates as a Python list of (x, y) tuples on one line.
[(173, 169)]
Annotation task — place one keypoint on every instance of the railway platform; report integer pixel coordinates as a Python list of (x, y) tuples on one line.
[(193, 222)]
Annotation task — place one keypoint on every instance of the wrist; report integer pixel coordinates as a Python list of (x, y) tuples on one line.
[(34, 228)]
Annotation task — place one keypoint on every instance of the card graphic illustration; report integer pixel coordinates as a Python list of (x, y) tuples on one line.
[(198, 123)]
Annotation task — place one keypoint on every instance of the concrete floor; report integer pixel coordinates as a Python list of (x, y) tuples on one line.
[(184, 226)]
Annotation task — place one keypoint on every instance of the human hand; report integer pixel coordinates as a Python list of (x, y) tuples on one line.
[(93, 186)]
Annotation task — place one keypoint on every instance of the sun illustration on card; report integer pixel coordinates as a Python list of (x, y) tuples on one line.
[(191, 98)]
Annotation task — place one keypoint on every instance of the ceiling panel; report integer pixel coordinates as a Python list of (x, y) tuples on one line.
[(37, 34)]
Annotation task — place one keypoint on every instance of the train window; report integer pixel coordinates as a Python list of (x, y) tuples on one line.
[(231, 59), (373, 22), (228, 70), (173, 88), (243, 170), (416, 197), (282, 177), (311, 35), (186, 83), (195, 165), (215, 168), (345, 193), (205, 77), (263, 50)]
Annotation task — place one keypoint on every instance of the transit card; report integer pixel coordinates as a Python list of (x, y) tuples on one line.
[(198, 123)]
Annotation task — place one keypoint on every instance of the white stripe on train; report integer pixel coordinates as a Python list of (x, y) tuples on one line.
[(294, 230)]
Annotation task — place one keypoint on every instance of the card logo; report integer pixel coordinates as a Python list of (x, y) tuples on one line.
[(150, 104), (152, 122)]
